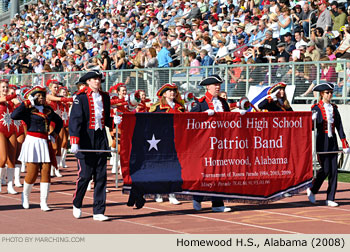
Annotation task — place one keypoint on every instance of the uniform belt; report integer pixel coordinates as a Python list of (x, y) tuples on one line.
[(38, 134)]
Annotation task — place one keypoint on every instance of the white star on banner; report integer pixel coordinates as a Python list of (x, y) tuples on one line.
[(153, 143)]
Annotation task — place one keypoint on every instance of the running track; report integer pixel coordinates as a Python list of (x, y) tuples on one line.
[(293, 215)]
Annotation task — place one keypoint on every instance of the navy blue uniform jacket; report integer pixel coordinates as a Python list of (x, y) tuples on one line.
[(82, 123), (323, 142), (36, 121), (206, 103)]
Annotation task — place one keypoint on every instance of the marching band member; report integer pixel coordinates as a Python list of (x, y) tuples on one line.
[(327, 119), (35, 150), (8, 141), (89, 115), (143, 106), (276, 100), (64, 108), (169, 102), (118, 104), (20, 134), (211, 103), (54, 102)]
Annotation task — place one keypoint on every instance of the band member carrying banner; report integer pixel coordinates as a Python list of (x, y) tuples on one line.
[(89, 116), (276, 99), (327, 119), (211, 103), (169, 102)]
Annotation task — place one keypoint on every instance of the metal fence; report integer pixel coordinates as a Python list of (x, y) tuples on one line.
[(239, 79), (5, 5)]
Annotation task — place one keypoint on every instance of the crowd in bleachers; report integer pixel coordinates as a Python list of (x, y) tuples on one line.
[(65, 36)]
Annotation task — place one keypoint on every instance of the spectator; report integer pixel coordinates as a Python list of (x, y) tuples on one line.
[(193, 62), (222, 52), (290, 44), (151, 58), (270, 43), (305, 18), (285, 23), (105, 63), (58, 67), (282, 53), (319, 39), (299, 39), (324, 20), (338, 16)]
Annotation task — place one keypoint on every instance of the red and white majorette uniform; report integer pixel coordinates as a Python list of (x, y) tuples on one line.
[(64, 109), (7, 127), (117, 105)]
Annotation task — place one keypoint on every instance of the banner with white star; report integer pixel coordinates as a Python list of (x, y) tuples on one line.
[(257, 157)]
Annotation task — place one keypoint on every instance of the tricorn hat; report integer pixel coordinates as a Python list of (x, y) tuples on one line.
[(212, 79), (33, 91), (92, 74), (323, 87), (277, 86), (165, 88)]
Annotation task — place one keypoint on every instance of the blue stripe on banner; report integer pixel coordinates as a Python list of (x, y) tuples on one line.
[(154, 166)]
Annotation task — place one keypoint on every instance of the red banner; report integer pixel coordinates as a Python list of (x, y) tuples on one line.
[(258, 156)]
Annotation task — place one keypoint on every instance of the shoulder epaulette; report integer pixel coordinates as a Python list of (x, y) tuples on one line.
[(314, 105), (154, 107), (334, 105), (82, 91), (201, 99)]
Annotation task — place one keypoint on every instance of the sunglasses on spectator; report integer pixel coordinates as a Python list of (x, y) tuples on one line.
[(328, 92)]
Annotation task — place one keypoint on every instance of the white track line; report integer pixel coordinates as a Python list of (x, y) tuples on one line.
[(126, 221), (204, 217), (221, 220), (297, 216)]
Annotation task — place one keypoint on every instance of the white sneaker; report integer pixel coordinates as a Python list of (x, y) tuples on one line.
[(197, 205), (173, 200), (287, 195), (221, 209), (89, 185), (311, 196), (76, 212), (158, 198), (331, 203), (100, 217)]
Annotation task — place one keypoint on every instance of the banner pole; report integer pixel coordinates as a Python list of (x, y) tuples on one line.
[(116, 160), (315, 153), (86, 150)]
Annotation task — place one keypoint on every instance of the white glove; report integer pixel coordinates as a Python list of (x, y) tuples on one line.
[(18, 92), (32, 100), (52, 139), (74, 148), (346, 150), (314, 115), (274, 95), (242, 111), (210, 112), (117, 119)]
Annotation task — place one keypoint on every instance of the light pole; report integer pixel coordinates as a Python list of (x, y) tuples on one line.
[(14, 8)]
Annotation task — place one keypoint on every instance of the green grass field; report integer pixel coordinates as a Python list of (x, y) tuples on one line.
[(344, 177)]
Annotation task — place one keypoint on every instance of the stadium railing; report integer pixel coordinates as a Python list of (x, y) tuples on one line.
[(238, 78)]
